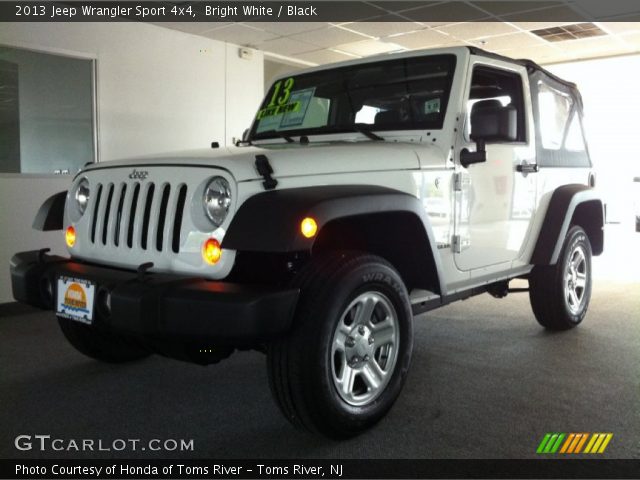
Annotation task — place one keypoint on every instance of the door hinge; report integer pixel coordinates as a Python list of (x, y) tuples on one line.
[(456, 244), (457, 182)]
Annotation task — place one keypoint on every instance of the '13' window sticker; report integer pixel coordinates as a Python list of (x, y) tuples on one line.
[(278, 103), (286, 93)]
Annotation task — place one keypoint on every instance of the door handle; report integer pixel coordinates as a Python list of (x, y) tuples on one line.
[(527, 168)]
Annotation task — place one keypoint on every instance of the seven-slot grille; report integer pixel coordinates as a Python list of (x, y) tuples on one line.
[(138, 215)]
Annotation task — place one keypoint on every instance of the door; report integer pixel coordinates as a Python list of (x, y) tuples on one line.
[(495, 201)]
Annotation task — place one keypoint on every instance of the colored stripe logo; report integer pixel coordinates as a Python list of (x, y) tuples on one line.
[(569, 443)]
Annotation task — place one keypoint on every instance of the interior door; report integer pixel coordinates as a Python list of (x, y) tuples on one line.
[(496, 201)]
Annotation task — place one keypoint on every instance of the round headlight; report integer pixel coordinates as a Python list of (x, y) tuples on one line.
[(217, 199), (82, 195)]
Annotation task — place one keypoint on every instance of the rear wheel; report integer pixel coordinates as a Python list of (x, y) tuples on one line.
[(560, 293), (101, 345), (343, 365)]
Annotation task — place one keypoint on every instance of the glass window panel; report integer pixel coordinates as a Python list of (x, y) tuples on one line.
[(491, 84), (46, 112), (554, 114)]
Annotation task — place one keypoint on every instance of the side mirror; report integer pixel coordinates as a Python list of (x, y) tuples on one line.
[(244, 140), (490, 121)]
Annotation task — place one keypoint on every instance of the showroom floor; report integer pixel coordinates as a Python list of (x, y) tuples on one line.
[(486, 382)]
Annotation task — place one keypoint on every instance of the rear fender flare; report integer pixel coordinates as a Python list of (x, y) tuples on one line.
[(569, 204)]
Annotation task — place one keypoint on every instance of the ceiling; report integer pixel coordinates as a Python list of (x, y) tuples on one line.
[(500, 27)]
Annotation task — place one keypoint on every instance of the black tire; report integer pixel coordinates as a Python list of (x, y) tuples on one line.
[(101, 345), (302, 366), (551, 301)]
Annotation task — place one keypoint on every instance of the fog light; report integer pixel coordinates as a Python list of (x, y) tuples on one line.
[(308, 227), (104, 302), (70, 236), (211, 251), (46, 289)]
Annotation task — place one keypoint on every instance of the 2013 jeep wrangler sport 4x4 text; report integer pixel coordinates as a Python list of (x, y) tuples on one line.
[(363, 194)]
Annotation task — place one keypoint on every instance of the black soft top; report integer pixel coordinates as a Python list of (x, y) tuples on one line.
[(533, 68), (546, 157)]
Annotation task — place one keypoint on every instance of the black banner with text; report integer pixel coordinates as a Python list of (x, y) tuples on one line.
[(311, 469), (320, 11)]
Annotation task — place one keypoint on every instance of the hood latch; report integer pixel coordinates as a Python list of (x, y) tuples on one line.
[(264, 169)]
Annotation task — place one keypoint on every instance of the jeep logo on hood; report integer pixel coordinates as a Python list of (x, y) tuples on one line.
[(138, 174)]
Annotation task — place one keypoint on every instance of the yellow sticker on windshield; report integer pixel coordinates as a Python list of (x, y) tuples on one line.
[(286, 92), (278, 109)]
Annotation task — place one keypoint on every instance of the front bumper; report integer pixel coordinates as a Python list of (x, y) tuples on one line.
[(161, 306)]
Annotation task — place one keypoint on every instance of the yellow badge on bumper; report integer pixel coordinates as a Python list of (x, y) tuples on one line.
[(75, 299)]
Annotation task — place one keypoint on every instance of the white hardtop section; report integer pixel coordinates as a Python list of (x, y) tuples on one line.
[(289, 160)]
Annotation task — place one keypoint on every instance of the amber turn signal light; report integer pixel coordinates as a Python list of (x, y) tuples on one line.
[(211, 251), (70, 236), (308, 227)]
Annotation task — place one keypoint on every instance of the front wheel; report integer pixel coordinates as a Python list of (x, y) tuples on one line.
[(560, 293), (343, 365)]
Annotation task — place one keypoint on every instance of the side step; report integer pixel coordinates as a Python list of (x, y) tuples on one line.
[(423, 301)]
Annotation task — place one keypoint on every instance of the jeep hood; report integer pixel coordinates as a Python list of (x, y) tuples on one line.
[(289, 160)]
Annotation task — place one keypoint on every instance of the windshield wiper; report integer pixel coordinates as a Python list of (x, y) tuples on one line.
[(279, 134), (286, 137), (360, 128), (366, 132)]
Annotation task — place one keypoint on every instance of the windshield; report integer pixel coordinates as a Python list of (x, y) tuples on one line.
[(402, 94)]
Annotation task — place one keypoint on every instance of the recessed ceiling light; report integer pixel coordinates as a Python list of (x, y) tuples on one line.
[(575, 31)]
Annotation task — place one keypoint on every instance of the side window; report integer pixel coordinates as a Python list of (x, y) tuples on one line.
[(575, 139), (500, 86), (555, 109)]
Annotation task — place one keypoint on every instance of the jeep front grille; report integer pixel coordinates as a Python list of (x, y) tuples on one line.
[(134, 215)]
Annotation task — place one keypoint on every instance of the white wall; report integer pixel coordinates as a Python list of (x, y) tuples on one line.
[(158, 90), (273, 69), (244, 82)]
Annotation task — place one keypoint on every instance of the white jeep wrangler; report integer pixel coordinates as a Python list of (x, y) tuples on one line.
[(363, 194)]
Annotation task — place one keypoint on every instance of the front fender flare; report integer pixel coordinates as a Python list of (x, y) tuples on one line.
[(270, 221), (50, 215)]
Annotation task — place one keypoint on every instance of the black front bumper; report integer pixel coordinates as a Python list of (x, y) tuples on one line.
[(161, 306)]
